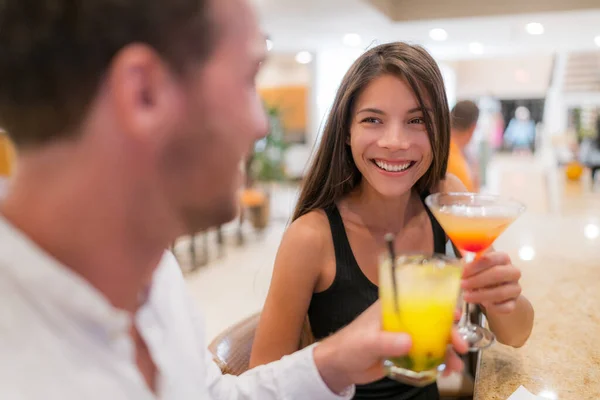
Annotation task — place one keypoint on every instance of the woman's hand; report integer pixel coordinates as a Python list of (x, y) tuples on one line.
[(493, 282)]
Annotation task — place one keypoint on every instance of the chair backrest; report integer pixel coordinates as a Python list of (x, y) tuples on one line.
[(231, 349)]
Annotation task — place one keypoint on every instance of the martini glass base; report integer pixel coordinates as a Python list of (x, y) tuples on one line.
[(477, 338)]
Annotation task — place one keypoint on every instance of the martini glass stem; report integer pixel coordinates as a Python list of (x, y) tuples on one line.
[(465, 326)]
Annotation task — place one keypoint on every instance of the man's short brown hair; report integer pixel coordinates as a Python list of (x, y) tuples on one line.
[(54, 54), (464, 115)]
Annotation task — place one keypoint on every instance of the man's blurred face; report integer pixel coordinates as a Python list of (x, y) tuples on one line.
[(222, 117), (186, 133)]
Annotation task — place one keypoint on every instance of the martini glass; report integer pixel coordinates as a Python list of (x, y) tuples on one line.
[(473, 221)]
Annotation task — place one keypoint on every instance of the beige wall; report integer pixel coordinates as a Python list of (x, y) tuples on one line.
[(508, 78), (283, 70)]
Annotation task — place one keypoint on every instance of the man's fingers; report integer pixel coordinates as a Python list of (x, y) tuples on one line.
[(389, 344)]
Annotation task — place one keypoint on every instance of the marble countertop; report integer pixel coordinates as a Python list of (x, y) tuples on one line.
[(561, 359)]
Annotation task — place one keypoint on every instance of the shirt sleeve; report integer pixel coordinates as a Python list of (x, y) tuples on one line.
[(294, 377)]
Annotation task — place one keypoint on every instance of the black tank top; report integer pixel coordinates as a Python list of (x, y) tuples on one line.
[(350, 294)]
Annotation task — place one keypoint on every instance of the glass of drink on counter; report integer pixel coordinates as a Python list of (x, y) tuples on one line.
[(418, 296)]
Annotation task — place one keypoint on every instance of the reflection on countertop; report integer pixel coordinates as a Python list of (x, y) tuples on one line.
[(561, 277)]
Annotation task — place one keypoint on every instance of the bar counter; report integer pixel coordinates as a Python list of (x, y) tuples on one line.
[(561, 359)]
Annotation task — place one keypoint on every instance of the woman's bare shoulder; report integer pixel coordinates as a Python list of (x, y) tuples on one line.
[(310, 232)]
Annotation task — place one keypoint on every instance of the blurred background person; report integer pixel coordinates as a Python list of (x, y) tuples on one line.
[(520, 133), (589, 152), (464, 118)]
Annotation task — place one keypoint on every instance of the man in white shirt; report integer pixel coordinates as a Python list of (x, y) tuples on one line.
[(132, 118)]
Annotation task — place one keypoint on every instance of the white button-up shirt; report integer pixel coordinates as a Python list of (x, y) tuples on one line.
[(61, 339)]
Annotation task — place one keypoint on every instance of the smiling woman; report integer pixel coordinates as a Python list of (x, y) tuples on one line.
[(389, 136), (384, 148)]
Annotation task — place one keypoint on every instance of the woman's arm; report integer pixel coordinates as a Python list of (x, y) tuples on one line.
[(494, 281), (297, 269), (512, 327)]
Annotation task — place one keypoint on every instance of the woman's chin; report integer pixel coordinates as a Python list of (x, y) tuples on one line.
[(389, 192)]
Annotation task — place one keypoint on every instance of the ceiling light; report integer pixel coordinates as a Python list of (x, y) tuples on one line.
[(304, 57), (534, 28), (438, 34), (526, 253), (352, 40), (269, 44), (597, 40), (476, 48)]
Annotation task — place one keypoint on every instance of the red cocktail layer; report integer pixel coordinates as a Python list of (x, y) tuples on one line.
[(472, 243)]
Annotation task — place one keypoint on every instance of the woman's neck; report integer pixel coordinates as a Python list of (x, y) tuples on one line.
[(378, 213)]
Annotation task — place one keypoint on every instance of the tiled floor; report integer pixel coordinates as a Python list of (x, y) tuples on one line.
[(235, 286), (560, 214)]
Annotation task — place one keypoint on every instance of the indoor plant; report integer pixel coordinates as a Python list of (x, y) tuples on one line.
[(266, 166)]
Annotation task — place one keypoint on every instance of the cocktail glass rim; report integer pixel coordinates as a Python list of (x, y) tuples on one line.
[(448, 259), (429, 200)]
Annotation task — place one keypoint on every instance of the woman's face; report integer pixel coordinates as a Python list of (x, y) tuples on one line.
[(388, 136)]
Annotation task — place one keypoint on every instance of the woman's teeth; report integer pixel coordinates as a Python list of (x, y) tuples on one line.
[(393, 167)]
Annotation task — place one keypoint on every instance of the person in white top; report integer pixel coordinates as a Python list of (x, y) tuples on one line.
[(131, 118)]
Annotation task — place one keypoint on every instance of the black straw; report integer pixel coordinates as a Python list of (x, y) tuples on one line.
[(389, 238)]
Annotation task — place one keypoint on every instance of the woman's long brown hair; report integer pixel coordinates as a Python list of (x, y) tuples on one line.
[(333, 173)]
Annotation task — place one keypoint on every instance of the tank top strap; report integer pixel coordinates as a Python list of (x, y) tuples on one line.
[(346, 265)]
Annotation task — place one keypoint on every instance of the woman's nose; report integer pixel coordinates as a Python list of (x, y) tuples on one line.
[(394, 138)]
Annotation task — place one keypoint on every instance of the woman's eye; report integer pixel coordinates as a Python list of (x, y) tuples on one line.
[(419, 121), (371, 120)]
